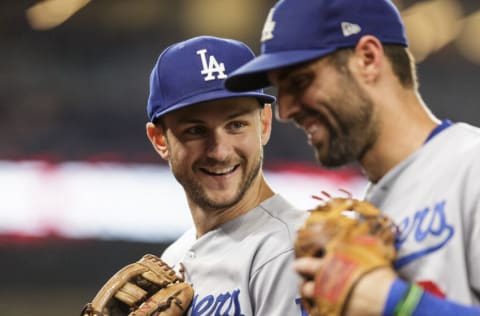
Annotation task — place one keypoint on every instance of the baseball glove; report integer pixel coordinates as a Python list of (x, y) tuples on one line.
[(146, 287), (352, 238)]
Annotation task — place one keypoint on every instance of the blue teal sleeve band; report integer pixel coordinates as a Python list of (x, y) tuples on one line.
[(429, 304), (397, 292), (434, 305), (409, 303)]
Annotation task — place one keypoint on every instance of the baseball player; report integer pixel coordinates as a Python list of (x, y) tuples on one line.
[(345, 75), (238, 257)]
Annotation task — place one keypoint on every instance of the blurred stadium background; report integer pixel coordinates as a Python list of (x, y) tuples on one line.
[(75, 164)]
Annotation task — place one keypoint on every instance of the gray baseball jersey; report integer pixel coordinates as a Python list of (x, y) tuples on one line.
[(245, 266), (434, 197)]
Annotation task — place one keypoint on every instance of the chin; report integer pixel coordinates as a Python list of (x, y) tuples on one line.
[(222, 200)]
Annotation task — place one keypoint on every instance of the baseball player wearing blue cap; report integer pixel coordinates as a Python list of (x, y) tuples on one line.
[(344, 74), (238, 257)]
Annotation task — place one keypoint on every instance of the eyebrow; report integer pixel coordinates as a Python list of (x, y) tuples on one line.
[(284, 74), (240, 113), (229, 117), (289, 71)]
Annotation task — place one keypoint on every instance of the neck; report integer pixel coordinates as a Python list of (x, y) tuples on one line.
[(206, 220), (404, 125)]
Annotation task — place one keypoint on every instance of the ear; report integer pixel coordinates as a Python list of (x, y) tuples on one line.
[(369, 58), (158, 139), (266, 123)]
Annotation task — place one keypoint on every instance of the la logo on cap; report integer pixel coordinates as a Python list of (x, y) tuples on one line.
[(268, 27), (212, 66)]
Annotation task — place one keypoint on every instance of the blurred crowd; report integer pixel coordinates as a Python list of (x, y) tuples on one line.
[(78, 91)]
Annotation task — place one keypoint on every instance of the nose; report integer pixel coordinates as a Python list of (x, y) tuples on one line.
[(218, 146), (287, 107)]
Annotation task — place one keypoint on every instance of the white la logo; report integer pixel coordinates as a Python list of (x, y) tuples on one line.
[(268, 27), (211, 67)]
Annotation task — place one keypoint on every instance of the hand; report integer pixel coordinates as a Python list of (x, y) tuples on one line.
[(307, 267), (368, 295), (341, 244)]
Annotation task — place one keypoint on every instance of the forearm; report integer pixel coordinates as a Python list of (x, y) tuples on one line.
[(419, 303), (370, 293)]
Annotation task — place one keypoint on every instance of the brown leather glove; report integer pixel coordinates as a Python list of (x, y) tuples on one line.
[(146, 287), (352, 238)]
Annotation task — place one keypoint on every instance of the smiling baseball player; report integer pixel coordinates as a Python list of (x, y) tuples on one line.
[(239, 255), (344, 74)]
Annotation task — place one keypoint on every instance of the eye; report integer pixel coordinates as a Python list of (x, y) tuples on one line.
[(195, 130), (300, 82), (236, 126)]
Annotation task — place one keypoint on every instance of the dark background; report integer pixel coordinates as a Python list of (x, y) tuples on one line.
[(57, 277), (79, 91)]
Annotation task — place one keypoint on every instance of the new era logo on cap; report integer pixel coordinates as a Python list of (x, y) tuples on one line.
[(350, 29), (194, 71)]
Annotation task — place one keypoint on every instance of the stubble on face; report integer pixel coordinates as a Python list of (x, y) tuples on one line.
[(199, 195), (351, 124), (196, 191)]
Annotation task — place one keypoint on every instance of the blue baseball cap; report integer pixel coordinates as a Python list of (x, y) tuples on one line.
[(298, 31), (193, 71)]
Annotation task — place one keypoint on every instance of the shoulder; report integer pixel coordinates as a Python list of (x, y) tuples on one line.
[(278, 222), (461, 135), (176, 250), (281, 212), (276, 231), (462, 144), (456, 147)]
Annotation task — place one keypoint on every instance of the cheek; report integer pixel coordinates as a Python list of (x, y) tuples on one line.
[(315, 95), (252, 140), (326, 86), (251, 147), (184, 154)]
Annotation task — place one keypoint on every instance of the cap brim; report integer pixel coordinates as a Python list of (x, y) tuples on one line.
[(215, 95), (253, 75)]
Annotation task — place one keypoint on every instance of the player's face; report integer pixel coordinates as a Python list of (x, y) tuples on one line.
[(335, 112), (215, 149)]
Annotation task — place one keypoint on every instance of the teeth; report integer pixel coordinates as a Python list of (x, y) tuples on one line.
[(310, 130), (221, 171)]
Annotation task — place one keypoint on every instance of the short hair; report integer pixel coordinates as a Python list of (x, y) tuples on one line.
[(401, 59), (158, 122)]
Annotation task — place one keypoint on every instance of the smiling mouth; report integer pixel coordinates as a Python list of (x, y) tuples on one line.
[(311, 129), (219, 171)]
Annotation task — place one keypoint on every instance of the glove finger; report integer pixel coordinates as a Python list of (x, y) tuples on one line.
[(384, 229), (365, 209), (130, 294), (312, 241), (115, 283), (170, 301), (157, 271)]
